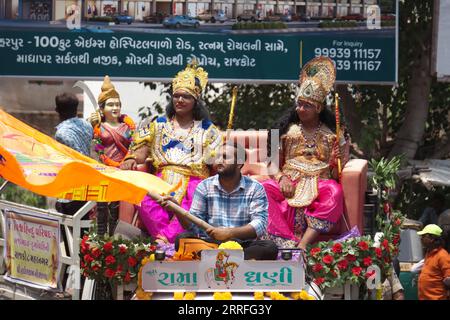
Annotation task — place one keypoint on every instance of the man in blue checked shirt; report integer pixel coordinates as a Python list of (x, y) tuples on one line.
[(235, 205)]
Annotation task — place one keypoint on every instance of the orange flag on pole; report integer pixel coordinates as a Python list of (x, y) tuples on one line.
[(44, 166)]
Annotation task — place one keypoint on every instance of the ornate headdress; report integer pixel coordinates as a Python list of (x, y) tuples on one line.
[(193, 80), (316, 81), (108, 91)]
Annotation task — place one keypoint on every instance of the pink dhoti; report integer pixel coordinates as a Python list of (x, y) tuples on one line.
[(158, 221), (321, 214)]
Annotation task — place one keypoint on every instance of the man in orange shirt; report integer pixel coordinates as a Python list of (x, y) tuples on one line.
[(434, 279)]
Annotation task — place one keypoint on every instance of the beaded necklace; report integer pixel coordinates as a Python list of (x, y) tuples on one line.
[(183, 136), (310, 144)]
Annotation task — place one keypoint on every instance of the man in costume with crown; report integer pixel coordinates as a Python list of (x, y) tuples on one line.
[(304, 198), (180, 146), (113, 134)]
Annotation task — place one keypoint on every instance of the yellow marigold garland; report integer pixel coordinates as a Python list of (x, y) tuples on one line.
[(179, 295), (233, 245), (140, 293), (258, 295), (223, 296)]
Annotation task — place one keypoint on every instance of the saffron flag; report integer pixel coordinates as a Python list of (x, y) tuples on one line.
[(44, 166)]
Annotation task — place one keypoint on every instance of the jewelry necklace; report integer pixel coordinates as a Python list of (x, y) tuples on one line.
[(310, 144), (184, 135)]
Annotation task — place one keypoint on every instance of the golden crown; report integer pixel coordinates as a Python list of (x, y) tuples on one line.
[(108, 91), (316, 80), (193, 79)]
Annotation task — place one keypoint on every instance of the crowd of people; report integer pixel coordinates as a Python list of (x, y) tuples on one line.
[(184, 148)]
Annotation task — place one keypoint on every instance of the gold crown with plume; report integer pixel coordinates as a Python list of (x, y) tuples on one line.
[(316, 81), (108, 91), (192, 79)]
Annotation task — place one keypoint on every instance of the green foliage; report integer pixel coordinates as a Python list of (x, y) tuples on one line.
[(385, 172), (17, 194)]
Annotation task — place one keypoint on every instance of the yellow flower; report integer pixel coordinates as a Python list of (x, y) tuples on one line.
[(278, 296), (258, 295), (142, 295), (223, 296), (296, 295), (230, 245), (178, 295), (189, 296), (304, 295)]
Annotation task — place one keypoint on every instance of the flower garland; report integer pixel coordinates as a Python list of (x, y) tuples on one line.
[(117, 261), (335, 263), (140, 293), (100, 148), (184, 296)]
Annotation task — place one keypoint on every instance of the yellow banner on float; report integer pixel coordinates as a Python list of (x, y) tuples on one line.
[(44, 166), (32, 249)]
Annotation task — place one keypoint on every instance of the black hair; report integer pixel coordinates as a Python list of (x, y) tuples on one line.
[(200, 110), (436, 242), (66, 105)]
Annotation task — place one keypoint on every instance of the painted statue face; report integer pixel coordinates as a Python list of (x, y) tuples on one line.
[(183, 102), (307, 112), (111, 111)]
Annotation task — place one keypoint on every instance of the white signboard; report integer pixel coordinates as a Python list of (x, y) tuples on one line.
[(223, 270), (442, 40)]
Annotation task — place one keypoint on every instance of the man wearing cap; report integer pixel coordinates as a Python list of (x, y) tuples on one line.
[(434, 279)]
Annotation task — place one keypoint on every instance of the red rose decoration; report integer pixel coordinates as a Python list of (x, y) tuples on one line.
[(82, 264), (333, 273), (386, 207), (367, 261), (350, 257), (96, 252), (363, 245), (396, 239), (122, 249), (95, 267), (110, 260), (88, 259), (317, 267), (84, 245), (337, 248), (109, 273), (132, 261), (398, 222), (315, 251), (327, 259), (319, 281), (119, 269), (108, 246), (378, 252), (356, 271), (342, 265), (127, 277), (369, 274), (385, 244), (152, 248)]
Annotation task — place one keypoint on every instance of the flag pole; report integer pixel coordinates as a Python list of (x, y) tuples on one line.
[(338, 130), (179, 211), (231, 116)]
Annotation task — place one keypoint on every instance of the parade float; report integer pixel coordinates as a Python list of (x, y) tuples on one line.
[(40, 164)]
